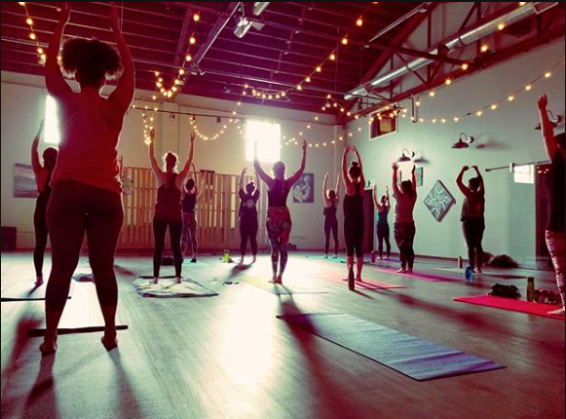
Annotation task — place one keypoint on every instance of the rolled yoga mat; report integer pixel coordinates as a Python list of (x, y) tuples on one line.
[(414, 357)]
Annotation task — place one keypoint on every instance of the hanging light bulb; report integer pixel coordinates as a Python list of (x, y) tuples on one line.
[(308, 80), (299, 87), (485, 48), (157, 74), (29, 21), (432, 93), (283, 94), (344, 41), (40, 50), (192, 40), (501, 26), (32, 36), (456, 119), (548, 75), (494, 107), (448, 82), (333, 57), (465, 66), (479, 114), (360, 22), (43, 57), (529, 87), (511, 98), (319, 69), (21, 3), (189, 57), (196, 17), (182, 72)]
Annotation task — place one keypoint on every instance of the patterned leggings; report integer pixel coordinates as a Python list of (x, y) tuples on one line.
[(555, 243), (279, 226)]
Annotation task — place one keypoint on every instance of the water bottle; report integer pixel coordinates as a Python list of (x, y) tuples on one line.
[(460, 262), (531, 289), (226, 256), (469, 273)]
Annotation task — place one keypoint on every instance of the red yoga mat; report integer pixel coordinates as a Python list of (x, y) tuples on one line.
[(512, 305)]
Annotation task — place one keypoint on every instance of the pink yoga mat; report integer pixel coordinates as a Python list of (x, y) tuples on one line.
[(512, 305), (368, 284), (417, 275)]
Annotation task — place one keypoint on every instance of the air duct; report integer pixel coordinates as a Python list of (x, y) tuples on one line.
[(457, 42)]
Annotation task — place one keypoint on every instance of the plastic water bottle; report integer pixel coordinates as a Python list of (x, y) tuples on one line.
[(226, 256), (469, 273), (531, 289), (460, 262)]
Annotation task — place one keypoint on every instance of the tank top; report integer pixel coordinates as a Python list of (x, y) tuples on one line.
[(277, 197), (354, 205), (330, 212), (189, 203), (88, 151), (404, 208), (556, 189), (248, 206), (474, 206), (168, 207), (383, 217)]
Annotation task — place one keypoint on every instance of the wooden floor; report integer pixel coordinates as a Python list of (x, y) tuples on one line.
[(229, 356)]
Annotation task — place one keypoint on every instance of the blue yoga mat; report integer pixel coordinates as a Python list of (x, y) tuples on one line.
[(416, 358)]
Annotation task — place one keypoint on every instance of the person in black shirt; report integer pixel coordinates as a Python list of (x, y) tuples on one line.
[(555, 229), (189, 236), (249, 223)]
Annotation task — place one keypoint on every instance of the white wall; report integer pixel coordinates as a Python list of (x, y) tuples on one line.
[(23, 100), (506, 135)]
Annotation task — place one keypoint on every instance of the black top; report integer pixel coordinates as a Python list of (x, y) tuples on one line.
[(354, 205), (189, 203), (556, 192), (330, 212), (248, 206), (277, 196), (168, 206), (383, 217), (44, 195)]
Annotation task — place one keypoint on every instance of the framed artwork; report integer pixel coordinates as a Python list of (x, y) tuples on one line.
[(24, 182), (383, 125), (439, 201), (420, 176), (303, 191)]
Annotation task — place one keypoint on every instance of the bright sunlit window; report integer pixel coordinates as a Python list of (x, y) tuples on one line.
[(52, 134), (525, 174), (268, 137)]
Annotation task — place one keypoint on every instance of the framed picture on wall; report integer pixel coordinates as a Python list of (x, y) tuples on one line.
[(303, 191), (439, 201), (24, 182)]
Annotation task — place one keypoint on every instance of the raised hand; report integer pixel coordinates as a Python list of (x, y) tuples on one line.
[(193, 137), (466, 168), (414, 169), (305, 145), (476, 168), (114, 19), (41, 127), (245, 171), (395, 166), (326, 176), (152, 135), (65, 12), (543, 102)]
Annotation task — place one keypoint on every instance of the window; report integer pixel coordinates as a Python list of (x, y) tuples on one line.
[(268, 137), (52, 134), (383, 125), (524, 174)]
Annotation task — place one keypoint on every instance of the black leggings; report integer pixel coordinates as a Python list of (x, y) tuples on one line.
[(354, 232), (383, 235), (331, 229), (41, 235), (473, 232), (75, 208), (175, 232), (405, 238), (248, 231)]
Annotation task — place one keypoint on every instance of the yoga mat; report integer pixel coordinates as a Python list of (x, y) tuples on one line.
[(368, 284), (168, 288), (417, 275), (414, 357), (512, 305), (330, 259), (285, 289), (26, 291), (462, 272), (84, 381)]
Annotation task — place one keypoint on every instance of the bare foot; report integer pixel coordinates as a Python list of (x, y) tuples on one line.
[(254, 260), (39, 281), (155, 281), (359, 279), (179, 280), (557, 312), (402, 271), (110, 343), (410, 271)]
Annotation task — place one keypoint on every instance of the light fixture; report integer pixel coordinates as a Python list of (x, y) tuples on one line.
[(464, 142), (406, 156)]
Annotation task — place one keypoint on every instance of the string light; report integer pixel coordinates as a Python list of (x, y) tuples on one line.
[(333, 57), (432, 93), (465, 66), (344, 41), (494, 107), (29, 21), (319, 69), (192, 40), (189, 58), (501, 26), (479, 114), (32, 36), (485, 48), (448, 82), (196, 17), (360, 22), (548, 75), (511, 98), (529, 87)]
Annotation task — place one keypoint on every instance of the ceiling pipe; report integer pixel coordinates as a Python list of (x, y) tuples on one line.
[(457, 42), (260, 6), (420, 9), (215, 33)]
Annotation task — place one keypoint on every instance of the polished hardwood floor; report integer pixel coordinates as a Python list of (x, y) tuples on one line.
[(230, 357)]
